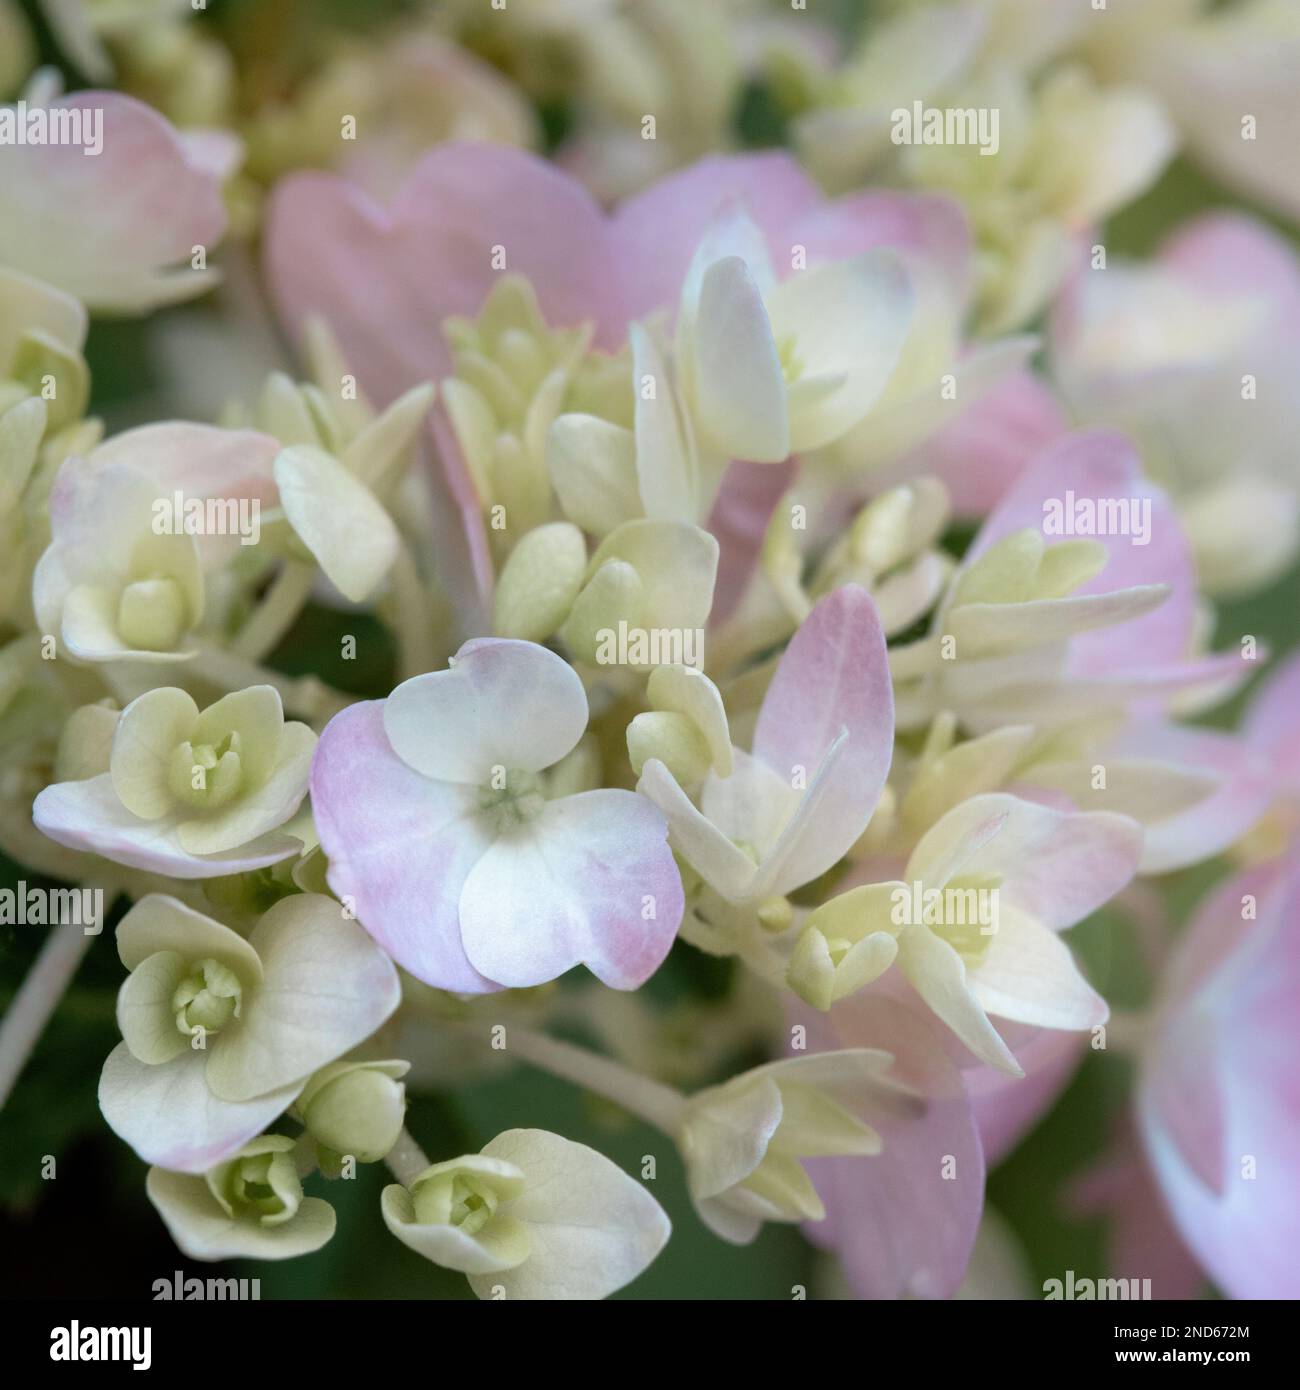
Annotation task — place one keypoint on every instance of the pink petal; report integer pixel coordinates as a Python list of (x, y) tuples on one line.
[(738, 521), (656, 232), (929, 229), (385, 280), (1233, 254), (1057, 866), (1008, 1107), (1100, 465), (832, 680), (899, 1225), (1215, 822), (574, 887), (1142, 1242), (107, 228), (1240, 981), (985, 450), (501, 704), (1273, 721), (400, 847)]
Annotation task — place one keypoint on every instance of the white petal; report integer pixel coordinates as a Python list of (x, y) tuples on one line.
[(590, 881), (726, 1134), (665, 466), (338, 519), (88, 816), (147, 734), (161, 923), (203, 1231), (848, 320), (593, 1229), (1029, 975), (739, 395), (169, 1116), (938, 974), (708, 851), (327, 986), (502, 704)]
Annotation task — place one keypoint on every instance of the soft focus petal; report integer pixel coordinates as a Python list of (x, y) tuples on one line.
[(400, 847), (148, 204), (590, 881)]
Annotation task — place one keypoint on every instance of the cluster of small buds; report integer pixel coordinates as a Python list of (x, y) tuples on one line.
[(714, 573)]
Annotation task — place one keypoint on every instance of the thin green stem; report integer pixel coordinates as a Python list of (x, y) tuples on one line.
[(650, 1100), (406, 1160), (40, 993), (276, 613)]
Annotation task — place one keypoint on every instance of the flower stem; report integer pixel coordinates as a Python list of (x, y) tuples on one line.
[(38, 997), (415, 621), (650, 1100), (275, 614), (406, 1160)]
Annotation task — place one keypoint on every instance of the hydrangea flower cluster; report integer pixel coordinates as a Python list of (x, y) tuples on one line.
[(827, 571)]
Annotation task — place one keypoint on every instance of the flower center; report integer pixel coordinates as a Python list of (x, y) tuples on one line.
[(264, 1184), (206, 776), (207, 998), (511, 798), (462, 1200), (151, 614)]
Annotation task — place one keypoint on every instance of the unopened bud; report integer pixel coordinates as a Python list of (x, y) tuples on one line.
[(539, 582), (356, 1108)]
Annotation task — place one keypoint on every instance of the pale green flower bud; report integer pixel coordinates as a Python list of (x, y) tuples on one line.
[(539, 582), (151, 614), (511, 379), (461, 1198), (261, 1181), (675, 740), (251, 1206), (743, 1141), (356, 1108), (845, 944), (612, 595), (208, 997)]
